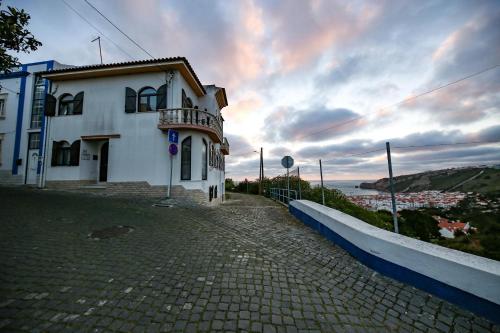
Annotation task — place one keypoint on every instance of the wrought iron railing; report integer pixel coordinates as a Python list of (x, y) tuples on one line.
[(191, 117), (225, 146)]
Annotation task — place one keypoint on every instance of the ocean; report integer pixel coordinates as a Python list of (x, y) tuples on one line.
[(348, 187)]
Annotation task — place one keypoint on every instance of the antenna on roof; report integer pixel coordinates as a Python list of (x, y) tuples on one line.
[(99, 40)]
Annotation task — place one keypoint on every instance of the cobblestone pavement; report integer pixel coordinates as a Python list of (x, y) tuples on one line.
[(245, 266)]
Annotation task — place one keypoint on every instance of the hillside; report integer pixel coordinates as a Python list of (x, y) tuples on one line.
[(472, 179)]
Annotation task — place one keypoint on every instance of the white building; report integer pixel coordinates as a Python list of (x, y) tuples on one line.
[(107, 125), (22, 122)]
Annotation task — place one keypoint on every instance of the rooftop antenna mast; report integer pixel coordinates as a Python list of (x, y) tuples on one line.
[(98, 39)]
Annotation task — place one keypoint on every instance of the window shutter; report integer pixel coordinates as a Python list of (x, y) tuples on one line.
[(161, 97), (50, 105), (55, 149), (78, 103), (74, 157), (130, 97)]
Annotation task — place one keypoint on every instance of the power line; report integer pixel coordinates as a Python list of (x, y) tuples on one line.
[(406, 100), (99, 31), (120, 30), (446, 144)]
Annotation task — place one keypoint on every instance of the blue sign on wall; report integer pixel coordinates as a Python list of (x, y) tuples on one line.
[(173, 136)]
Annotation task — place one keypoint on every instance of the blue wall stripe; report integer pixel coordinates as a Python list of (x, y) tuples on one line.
[(19, 121), (50, 65), (452, 294)]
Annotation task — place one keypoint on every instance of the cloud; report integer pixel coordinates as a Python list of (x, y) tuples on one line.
[(312, 124), (471, 48)]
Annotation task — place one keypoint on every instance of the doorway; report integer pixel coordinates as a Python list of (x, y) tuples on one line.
[(32, 158), (103, 163)]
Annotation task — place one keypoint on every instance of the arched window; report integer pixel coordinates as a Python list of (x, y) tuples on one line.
[(204, 156), (147, 99), (64, 154), (66, 105), (186, 159), (61, 151), (69, 105)]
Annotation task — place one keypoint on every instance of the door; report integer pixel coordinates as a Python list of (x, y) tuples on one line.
[(103, 163), (32, 158)]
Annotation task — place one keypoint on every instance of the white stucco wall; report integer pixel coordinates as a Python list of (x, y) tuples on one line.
[(141, 151), (473, 274), (8, 122)]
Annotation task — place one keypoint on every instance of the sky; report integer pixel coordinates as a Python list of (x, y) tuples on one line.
[(319, 79)]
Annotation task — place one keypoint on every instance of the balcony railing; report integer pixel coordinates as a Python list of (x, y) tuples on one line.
[(194, 119), (224, 147)]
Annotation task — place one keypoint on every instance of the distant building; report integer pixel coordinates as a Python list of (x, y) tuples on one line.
[(107, 125), (447, 228)]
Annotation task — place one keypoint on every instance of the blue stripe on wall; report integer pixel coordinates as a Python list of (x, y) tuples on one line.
[(452, 294), (19, 121), (50, 65)]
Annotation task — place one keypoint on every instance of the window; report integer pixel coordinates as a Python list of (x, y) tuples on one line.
[(69, 105), (3, 99), (147, 99), (38, 103), (186, 159), (204, 151), (1, 139), (34, 141), (64, 154)]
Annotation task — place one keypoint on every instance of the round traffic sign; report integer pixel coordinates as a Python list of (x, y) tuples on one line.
[(172, 149), (287, 162)]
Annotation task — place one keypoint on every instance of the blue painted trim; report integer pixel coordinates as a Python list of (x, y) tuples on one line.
[(452, 294), (19, 121), (14, 75), (46, 62), (50, 65)]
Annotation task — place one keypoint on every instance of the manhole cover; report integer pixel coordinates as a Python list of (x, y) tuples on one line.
[(110, 232)]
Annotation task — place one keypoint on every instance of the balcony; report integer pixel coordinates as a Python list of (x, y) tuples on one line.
[(191, 119), (224, 147)]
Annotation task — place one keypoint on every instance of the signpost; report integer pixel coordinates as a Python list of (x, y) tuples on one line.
[(287, 162), (173, 138)]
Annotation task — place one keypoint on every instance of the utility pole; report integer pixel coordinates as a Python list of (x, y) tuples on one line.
[(261, 174), (322, 187), (391, 185), (98, 39)]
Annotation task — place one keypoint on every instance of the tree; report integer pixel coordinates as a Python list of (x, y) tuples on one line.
[(14, 36)]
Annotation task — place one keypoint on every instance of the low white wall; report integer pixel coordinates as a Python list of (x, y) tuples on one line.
[(473, 274)]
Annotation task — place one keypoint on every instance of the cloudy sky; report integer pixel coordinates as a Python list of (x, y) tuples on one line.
[(314, 79)]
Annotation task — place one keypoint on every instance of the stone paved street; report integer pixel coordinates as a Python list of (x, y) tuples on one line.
[(245, 266)]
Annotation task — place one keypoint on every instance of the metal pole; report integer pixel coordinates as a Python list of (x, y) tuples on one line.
[(288, 185), (247, 184), (170, 180), (99, 41), (322, 188), (300, 191), (261, 173), (391, 185)]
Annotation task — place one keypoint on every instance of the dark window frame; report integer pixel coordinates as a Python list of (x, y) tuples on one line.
[(66, 103), (151, 104), (204, 162), (186, 152)]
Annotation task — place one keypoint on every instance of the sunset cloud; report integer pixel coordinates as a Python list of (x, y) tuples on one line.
[(313, 79)]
